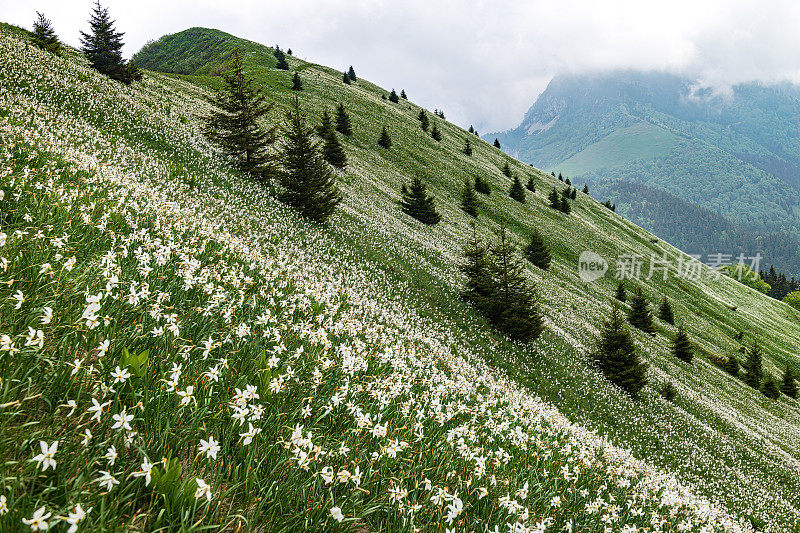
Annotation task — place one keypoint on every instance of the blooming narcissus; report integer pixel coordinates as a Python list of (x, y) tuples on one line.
[(38, 522), (337, 515), (46, 459), (203, 490), (209, 447)]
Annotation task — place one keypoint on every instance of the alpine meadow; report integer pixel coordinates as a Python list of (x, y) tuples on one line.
[(241, 291)]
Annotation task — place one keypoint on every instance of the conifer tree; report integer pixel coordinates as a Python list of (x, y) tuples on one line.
[(665, 312), (418, 204), (568, 182), (325, 124), (403, 94), (436, 134), (351, 74), (393, 97), (564, 205), (44, 36), (617, 358), (235, 124), (573, 193), (788, 382), (103, 48), (282, 63), (732, 366), (585, 189), (753, 367), (471, 129), (289, 52), (496, 143), (620, 294), (482, 186), (346, 79), (506, 170), (469, 200), (480, 285), (307, 182), (771, 389), (343, 121), (639, 315), (467, 148), (682, 347), (560, 177), (423, 120), (332, 150), (517, 191), (297, 83), (537, 251), (512, 308), (384, 140), (555, 200)]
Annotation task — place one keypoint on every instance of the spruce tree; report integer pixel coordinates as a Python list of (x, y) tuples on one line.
[(325, 124), (517, 191), (482, 186), (469, 200), (531, 186), (332, 150), (384, 140), (560, 177), (480, 285), (282, 63), (393, 97), (620, 294), (639, 315), (343, 121), (436, 134), (585, 189), (771, 389), (297, 83), (235, 124), (564, 206), (732, 366), (573, 193), (512, 308), (403, 94), (44, 36), (753, 367), (568, 182), (418, 204), (665, 312), (346, 79), (496, 143), (423, 120), (682, 347), (555, 200), (467, 148), (617, 358), (103, 48), (307, 183), (537, 251), (289, 52), (506, 170), (351, 74), (471, 129), (789, 383)]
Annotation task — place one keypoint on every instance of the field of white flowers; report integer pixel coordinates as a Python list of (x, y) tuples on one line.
[(180, 352)]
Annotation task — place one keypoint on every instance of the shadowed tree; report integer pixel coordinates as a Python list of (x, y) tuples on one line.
[(351, 74), (620, 294), (469, 200), (555, 200), (346, 79), (403, 94), (585, 189), (235, 124), (307, 182), (416, 203), (324, 124), (537, 251), (332, 149), (496, 143), (506, 170), (343, 125), (297, 83), (393, 97), (682, 346), (384, 140), (753, 367), (467, 148), (789, 383), (517, 191), (44, 36), (480, 285), (103, 48), (771, 389), (436, 134), (482, 186), (617, 358), (282, 63), (732, 366), (639, 315), (665, 312), (423, 120), (531, 186)]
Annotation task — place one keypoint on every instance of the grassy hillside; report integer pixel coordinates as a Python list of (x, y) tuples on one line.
[(343, 351)]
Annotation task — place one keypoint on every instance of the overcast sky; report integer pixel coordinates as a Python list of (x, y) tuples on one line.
[(482, 62)]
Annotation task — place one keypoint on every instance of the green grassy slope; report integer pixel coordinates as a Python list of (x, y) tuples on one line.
[(384, 288)]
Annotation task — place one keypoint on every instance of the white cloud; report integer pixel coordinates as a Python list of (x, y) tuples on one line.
[(482, 62)]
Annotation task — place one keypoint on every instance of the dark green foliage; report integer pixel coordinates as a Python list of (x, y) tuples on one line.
[(512, 306), (307, 182), (639, 315), (343, 121), (482, 186), (103, 48), (506, 170), (567, 181), (668, 391), (788, 382), (753, 367), (609, 205), (496, 143), (467, 148), (617, 358), (418, 204), (732, 366), (403, 94), (771, 389), (517, 191), (289, 52), (531, 186), (436, 134), (560, 177), (573, 193), (585, 189), (325, 124), (480, 285), (346, 79), (282, 64), (665, 312), (555, 200), (384, 140), (332, 150), (564, 206), (351, 74), (471, 129), (620, 294), (469, 200), (537, 251), (423, 120), (682, 346), (393, 97), (235, 124), (44, 36), (297, 83)]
